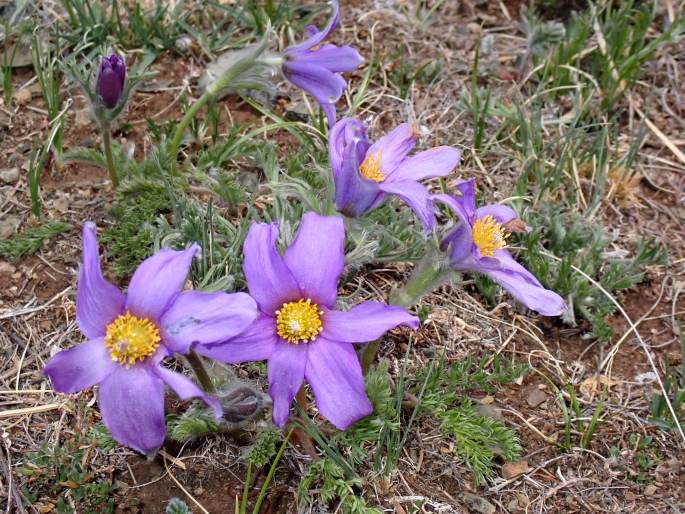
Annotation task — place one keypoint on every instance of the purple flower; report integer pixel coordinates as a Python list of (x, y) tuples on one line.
[(364, 173), (298, 330), (110, 81), (316, 68), (478, 244), (129, 336)]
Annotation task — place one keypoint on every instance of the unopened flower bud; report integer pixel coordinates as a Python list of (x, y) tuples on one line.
[(241, 404), (111, 79)]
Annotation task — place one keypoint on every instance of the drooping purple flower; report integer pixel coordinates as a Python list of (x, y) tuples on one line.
[(130, 334), (364, 173), (298, 330), (478, 244), (110, 81), (316, 68)]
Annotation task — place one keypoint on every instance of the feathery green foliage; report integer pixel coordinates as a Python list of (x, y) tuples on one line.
[(31, 240), (130, 239), (264, 448), (478, 439), (333, 487), (193, 423)]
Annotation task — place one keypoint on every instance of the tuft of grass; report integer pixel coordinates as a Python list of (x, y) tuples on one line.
[(31, 240), (674, 384), (405, 72), (128, 24), (59, 471), (625, 43), (573, 417), (576, 242), (46, 67)]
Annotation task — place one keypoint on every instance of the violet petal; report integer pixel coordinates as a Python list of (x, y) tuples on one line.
[(132, 407), (335, 376), (98, 302), (525, 287), (502, 214), (315, 36), (268, 278), (157, 281), (286, 373), (364, 322), (80, 367), (316, 257), (256, 343), (186, 389), (394, 147), (197, 317), (415, 196), (436, 162)]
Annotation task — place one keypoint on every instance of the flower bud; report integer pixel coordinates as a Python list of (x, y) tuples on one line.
[(110, 82), (241, 404)]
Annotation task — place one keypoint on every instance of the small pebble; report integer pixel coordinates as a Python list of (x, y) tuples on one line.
[(9, 175), (536, 397), (23, 96)]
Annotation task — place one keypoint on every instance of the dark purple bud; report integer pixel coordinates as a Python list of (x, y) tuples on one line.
[(111, 79)]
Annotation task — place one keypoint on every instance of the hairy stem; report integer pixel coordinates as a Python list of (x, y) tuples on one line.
[(424, 280), (183, 125), (195, 362), (428, 275), (107, 143), (369, 355)]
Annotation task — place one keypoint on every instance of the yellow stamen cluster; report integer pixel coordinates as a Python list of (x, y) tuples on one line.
[(371, 168), (489, 236), (131, 339), (299, 321)]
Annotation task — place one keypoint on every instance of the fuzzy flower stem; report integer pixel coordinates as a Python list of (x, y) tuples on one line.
[(195, 362), (107, 143), (369, 355), (427, 276), (220, 84), (183, 125)]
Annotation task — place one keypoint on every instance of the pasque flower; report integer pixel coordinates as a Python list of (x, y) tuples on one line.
[(111, 78), (365, 173), (129, 335), (316, 67), (298, 330), (478, 244)]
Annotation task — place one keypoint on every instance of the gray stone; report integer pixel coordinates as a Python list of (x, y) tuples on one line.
[(9, 175), (477, 504), (536, 397), (9, 225)]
